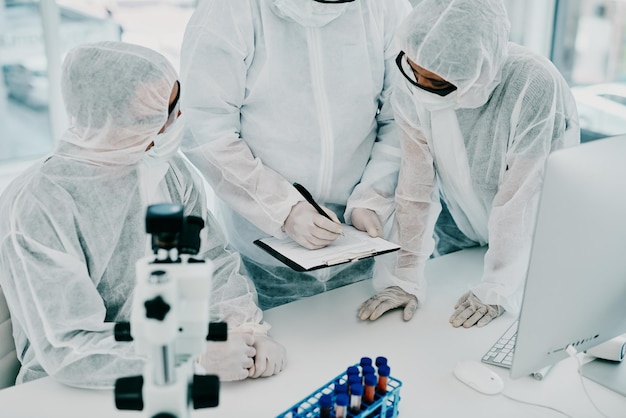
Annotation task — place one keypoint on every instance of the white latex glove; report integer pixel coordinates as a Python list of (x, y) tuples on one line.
[(310, 229), (385, 300), (270, 359), (230, 359), (367, 220), (471, 311)]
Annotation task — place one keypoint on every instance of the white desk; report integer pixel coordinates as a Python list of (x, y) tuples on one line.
[(323, 336)]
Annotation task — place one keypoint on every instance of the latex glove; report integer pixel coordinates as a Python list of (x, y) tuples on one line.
[(270, 359), (310, 229), (230, 359), (367, 220), (471, 311), (385, 300)]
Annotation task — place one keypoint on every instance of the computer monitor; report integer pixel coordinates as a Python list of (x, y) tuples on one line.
[(575, 292)]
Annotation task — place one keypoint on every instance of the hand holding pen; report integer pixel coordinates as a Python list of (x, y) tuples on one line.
[(305, 225)]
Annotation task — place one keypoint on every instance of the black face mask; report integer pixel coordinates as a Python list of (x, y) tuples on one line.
[(333, 2), (440, 92)]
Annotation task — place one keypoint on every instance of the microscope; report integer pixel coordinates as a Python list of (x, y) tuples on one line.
[(170, 320)]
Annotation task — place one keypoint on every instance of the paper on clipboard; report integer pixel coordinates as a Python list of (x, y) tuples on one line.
[(352, 246)]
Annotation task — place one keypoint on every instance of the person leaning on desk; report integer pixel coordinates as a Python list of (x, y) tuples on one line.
[(478, 116), (72, 228), (284, 91)]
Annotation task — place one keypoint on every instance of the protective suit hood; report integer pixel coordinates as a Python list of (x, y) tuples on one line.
[(114, 115), (308, 12), (462, 41)]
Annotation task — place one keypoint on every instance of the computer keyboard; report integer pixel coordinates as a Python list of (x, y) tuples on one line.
[(501, 353)]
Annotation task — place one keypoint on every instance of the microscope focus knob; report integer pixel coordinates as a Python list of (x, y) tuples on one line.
[(122, 331), (218, 331), (128, 393), (157, 308), (205, 391)]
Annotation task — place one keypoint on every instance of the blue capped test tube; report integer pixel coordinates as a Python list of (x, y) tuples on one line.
[(341, 406), (326, 404)]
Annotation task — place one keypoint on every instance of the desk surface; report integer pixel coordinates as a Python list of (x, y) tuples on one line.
[(323, 336)]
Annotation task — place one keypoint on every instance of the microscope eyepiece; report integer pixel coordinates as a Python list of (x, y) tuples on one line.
[(164, 221), (190, 239)]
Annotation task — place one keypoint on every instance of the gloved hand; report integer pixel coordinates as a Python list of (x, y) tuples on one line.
[(385, 300), (270, 359), (310, 229), (230, 359), (471, 311), (367, 220)]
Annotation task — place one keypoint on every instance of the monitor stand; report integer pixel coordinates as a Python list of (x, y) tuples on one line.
[(610, 374)]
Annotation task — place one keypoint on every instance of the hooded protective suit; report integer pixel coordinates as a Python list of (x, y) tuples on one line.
[(284, 91), (480, 149), (72, 226)]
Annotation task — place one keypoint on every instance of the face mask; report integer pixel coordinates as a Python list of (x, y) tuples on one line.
[(166, 144), (434, 102), (310, 13)]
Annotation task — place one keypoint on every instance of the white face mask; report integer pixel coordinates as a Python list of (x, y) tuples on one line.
[(433, 102), (166, 144), (310, 13)]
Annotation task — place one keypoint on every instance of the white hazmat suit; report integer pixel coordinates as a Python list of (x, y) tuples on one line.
[(72, 226), (284, 91), (481, 149)]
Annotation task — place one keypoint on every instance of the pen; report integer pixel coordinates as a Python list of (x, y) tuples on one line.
[(305, 193)]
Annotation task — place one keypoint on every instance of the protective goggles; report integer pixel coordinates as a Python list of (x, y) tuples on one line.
[(333, 1), (173, 108), (408, 72)]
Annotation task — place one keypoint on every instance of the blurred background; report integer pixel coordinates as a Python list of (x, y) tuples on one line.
[(586, 40)]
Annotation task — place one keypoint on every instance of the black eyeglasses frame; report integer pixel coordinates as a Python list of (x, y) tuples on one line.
[(333, 2), (440, 92), (172, 106)]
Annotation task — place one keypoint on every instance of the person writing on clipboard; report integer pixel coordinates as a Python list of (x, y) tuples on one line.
[(284, 91)]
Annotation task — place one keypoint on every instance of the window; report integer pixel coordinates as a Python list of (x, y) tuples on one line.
[(30, 117), (27, 126), (589, 48), (586, 40)]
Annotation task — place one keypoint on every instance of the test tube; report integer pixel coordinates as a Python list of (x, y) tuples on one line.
[(352, 370), (369, 388), (356, 393), (383, 377), (326, 403), (341, 388), (365, 361), (367, 370), (381, 361), (341, 406), (353, 380)]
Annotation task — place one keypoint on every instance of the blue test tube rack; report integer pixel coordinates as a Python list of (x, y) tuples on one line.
[(384, 405)]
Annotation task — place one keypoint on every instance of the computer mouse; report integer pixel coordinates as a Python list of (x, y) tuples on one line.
[(479, 377)]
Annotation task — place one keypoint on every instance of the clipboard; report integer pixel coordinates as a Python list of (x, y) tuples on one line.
[(354, 245)]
